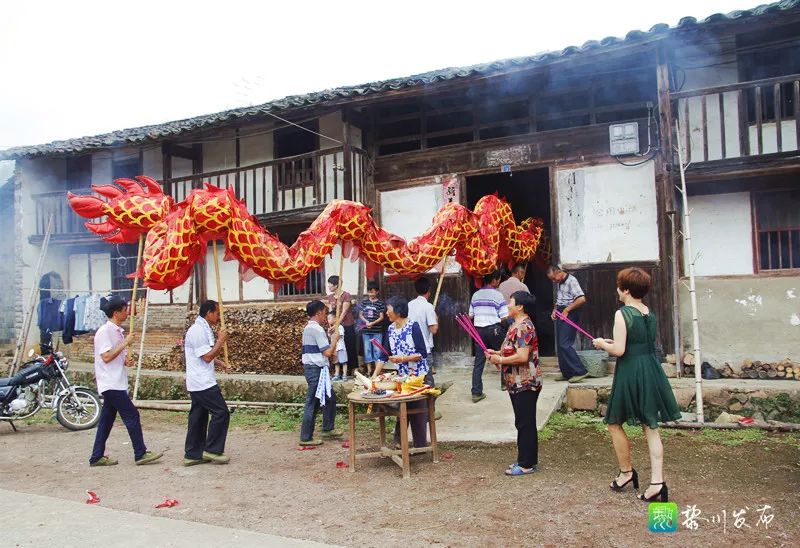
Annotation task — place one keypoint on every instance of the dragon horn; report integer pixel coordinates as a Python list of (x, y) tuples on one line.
[(152, 185), (89, 207), (109, 191), (131, 186)]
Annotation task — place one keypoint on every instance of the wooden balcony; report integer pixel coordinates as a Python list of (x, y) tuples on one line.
[(733, 126), (288, 190)]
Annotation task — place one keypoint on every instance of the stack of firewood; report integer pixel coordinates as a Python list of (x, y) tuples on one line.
[(750, 369), (785, 369)]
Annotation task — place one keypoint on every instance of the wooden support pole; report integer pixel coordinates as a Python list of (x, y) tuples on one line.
[(22, 337), (337, 321), (136, 282), (141, 345), (441, 279), (219, 298)]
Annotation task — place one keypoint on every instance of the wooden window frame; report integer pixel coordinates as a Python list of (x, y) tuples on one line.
[(756, 233)]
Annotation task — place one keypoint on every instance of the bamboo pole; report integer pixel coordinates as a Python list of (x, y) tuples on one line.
[(337, 321), (687, 235), (219, 299), (136, 281), (22, 339), (441, 279), (141, 345)]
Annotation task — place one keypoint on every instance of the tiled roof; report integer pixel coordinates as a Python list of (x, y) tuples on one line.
[(156, 132)]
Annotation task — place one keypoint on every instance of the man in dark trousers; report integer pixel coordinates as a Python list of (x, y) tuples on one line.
[(110, 359), (205, 442), (488, 309), (569, 300)]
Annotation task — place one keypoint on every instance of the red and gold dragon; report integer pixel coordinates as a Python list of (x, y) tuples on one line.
[(178, 234)]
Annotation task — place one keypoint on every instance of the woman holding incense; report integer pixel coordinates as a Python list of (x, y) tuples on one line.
[(410, 354), (521, 377), (640, 393)]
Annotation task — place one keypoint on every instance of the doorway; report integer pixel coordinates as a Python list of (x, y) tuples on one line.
[(528, 192)]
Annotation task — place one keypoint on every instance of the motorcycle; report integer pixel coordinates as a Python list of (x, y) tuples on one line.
[(42, 383)]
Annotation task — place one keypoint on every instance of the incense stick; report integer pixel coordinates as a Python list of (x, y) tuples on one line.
[(565, 319), (380, 347), (466, 324)]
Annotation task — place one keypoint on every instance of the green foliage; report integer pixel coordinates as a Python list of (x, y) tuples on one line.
[(731, 438)]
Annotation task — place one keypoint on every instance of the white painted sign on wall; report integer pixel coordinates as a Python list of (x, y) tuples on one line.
[(607, 214), (409, 212)]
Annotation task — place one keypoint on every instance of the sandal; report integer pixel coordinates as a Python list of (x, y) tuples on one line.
[(517, 470), (620, 486)]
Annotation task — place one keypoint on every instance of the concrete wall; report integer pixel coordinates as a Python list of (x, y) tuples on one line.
[(721, 234), (745, 317)]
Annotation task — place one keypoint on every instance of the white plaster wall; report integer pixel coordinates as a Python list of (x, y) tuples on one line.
[(607, 214), (220, 153), (409, 212), (721, 234), (331, 125), (228, 273), (769, 137), (89, 272), (350, 271)]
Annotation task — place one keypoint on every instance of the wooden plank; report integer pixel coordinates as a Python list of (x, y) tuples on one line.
[(722, 125), (759, 122), (797, 113), (744, 128), (324, 179), (704, 125), (263, 190), (778, 117), (347, 152), (736, 87)]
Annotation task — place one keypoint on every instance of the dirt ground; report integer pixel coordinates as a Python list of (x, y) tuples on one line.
[(464, 500)]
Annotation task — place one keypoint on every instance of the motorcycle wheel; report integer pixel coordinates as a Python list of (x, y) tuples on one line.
[(80, 411)]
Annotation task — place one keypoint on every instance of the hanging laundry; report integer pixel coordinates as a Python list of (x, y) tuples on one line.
[(49, 315), (68, 329), (80, 311), (93, 317)]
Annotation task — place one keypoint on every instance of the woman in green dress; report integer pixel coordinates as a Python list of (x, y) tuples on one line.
[(640, 393)]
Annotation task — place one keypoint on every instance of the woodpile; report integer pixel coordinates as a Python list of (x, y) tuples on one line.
[(751, 369)]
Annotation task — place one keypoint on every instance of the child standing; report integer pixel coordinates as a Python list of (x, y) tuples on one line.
[(340, 356), (373, 312)]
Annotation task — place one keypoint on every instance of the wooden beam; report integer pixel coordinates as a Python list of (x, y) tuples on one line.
[(348, 155), (178, 151)]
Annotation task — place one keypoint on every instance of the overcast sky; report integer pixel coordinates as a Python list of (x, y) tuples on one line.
[(76, 68)]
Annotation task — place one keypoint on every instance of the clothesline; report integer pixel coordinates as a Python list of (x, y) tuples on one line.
[(91, 291)]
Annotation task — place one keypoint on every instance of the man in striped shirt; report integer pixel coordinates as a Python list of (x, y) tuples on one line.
[(569, 300), (316, 352), (487, 309)]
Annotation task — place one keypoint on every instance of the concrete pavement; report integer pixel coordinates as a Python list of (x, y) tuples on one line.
[(35, 521)]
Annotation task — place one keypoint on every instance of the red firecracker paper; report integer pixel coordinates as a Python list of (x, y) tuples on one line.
[(93, 498), (168, 503)]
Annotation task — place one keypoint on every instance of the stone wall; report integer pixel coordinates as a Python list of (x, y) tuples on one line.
[(7, 261), (759, 402)]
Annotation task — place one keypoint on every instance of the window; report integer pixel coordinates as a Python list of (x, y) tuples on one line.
[(295, 178), (123, 264), (126, 168), (315, 281), (79, 172), (777, 216)]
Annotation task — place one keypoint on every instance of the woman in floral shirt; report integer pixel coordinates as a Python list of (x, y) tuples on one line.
[(519, 360)]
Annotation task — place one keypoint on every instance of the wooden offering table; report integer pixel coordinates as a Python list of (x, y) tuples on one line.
[(381, 410)]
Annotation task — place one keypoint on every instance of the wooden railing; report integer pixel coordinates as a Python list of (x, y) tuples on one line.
[(65, 221), (280, 185), (290, 183), (737, 120)]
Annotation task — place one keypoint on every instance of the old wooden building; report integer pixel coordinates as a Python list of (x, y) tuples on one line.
[(584, 138)]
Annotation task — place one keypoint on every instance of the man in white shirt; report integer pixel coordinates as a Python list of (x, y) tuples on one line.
[(488, 309), (205, 442), (110, 359), (422, 312)]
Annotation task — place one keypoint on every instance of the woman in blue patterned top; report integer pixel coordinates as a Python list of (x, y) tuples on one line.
[(410, 355), (519, 359)]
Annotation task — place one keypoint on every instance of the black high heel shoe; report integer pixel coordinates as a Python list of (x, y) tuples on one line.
[(634, 478), (663, 493)]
